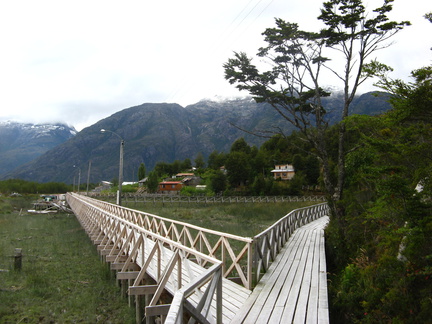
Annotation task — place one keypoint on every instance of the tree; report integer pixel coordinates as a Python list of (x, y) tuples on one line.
[(186, 165), (386, 256), (141, 171), (240, 145), (350, 30), (238, 167), (293, 85), (152, 182), (199, 161), (216, 160), (218, 181)]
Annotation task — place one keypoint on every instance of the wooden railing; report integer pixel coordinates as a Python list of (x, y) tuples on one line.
[(214, 275), (129, 238), (234, 251), (154, 198), (136, 253), (268, 243), (242, 257)]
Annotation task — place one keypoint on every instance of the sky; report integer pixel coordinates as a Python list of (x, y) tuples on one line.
[(80, 61)]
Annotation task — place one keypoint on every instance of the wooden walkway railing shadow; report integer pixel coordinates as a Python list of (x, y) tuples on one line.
[(152, 254)]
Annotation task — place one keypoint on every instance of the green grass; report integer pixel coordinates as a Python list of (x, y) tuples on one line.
[(243, 219), (62, 278)]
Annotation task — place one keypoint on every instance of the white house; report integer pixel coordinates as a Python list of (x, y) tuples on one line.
[(283, 171)]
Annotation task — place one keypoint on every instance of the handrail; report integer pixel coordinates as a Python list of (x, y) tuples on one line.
[(214, 275), (86, 212), (269, 242), (260, 251), (155, 236), (215, 244), (170, 198), (123, 231)]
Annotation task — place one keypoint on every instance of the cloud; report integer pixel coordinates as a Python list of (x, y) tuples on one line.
[(84, 60)]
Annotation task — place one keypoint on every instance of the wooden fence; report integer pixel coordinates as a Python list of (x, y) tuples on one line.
[(158, 198)]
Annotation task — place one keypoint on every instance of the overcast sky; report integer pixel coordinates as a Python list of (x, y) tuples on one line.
[(80, 61)]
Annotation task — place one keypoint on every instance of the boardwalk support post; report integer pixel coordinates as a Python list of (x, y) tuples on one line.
[(18, 259)]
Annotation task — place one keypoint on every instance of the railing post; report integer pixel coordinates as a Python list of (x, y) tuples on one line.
[(223, 257), (250, 265), (219, 274)]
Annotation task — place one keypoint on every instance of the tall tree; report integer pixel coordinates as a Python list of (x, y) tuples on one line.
[(240, 145), (141, 171), (199, 161), (293, 85), (152, 182), (216, 160), (356, 34), (186, 165)]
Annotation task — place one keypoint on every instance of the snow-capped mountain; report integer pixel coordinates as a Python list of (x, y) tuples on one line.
[(22, 142)]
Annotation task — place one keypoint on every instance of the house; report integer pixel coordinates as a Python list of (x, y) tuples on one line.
[(283, 171), (170, 187), (191, 181), (183, 175), (142, 182), (103, 185)]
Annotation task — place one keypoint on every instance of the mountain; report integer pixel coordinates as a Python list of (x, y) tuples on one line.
[(21, 143), (155, 132)]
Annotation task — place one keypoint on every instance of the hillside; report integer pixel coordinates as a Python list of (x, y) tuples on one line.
[(156, 132), (21, 143)]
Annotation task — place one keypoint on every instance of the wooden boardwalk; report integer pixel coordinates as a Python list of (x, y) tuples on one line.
[(288, 259), (294, 289), (233, 295)]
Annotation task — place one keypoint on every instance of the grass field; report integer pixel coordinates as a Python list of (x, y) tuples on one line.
[(62, 278), (241, 219)]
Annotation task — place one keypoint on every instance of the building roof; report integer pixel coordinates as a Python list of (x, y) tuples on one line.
[(170, 182), (289, 169)]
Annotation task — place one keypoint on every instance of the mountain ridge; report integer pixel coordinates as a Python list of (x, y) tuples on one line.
[(155, 132), (22, 142)]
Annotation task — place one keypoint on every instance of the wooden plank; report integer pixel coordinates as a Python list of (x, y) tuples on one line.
[(303, 298), (142, 290), (119, 266), (293, 295), (278, 277), (270, 280), (323, 311), (279, 294), (112, 258), (312, 307), (127, 275), (285, 294), (276, 316), (157, 310)]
